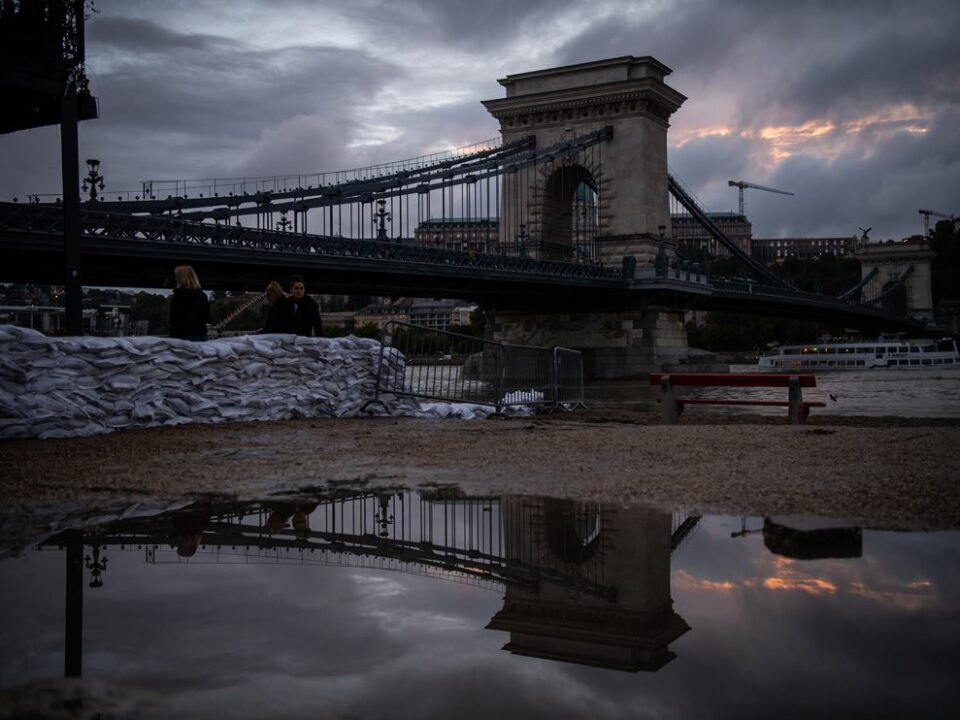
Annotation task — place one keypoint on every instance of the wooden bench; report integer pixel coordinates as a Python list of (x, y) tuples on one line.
[(672, 406)]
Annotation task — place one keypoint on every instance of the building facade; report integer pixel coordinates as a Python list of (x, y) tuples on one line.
[(692, 238), (463, 234), (779, 249)]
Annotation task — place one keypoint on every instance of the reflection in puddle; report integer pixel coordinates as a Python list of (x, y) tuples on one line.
[(334, 599)]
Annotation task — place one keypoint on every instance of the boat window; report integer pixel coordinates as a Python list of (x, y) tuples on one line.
[(791, 351), (859, 362), (926, 361), (914, 361), (914, 348), (937, 361), (893, 349)]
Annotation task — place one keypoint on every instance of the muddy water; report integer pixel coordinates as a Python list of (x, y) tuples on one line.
[(408, 606)]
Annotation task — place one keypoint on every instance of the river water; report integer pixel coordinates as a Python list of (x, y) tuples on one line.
[(398, 605), (903, 393)]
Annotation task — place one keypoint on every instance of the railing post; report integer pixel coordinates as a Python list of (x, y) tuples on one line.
[(670, 408), (501, 377), (555, 378), (796, 401)]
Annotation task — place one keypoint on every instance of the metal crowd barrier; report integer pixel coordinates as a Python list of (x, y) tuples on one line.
[(429, 364)]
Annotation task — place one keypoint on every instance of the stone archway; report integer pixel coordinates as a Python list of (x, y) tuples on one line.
[(891, 260), (570, 222), (628, 172)]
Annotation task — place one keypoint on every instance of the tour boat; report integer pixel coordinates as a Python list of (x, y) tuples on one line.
[(886, 352)]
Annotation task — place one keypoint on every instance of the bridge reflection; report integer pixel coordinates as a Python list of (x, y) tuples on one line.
[(582, 582)]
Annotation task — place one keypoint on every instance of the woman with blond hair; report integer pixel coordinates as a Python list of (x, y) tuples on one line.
[(189, 307), (283, 315)]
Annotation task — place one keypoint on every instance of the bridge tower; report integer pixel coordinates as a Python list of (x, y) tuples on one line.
[(604, 594), (628, 174), (628, 177), (892, 261)]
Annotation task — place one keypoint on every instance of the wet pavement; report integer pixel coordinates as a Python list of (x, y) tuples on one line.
[(400, 604)]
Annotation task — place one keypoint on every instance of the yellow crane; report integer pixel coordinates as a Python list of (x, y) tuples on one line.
[(926, 219), (742, 185)]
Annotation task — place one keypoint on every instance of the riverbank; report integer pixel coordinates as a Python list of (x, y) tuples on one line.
[(880, 472)]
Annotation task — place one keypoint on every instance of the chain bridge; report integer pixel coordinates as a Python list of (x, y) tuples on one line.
[(582, 582), (568, 214)]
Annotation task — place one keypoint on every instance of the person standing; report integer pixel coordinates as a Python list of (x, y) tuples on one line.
[(283, 315), (189, 306), (310, 322)]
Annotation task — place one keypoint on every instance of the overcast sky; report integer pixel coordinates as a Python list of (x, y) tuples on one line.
[(854, 106)]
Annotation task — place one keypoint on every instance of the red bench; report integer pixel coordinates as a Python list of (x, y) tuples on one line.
[(672, 406)]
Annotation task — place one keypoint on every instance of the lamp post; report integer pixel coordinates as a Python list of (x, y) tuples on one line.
[(522, 241), (380, 219), (94, 179), (96, 565), (662, 261)]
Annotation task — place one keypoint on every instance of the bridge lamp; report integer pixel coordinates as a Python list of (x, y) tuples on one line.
[(94, 179)]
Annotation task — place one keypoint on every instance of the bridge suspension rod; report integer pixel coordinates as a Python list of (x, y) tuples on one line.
[(426, 180), (860, 285), (687, 201)]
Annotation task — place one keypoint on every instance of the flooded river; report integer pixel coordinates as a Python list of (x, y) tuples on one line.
[(903, 393), (399, 605)]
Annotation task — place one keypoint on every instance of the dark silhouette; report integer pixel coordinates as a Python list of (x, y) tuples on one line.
[(189, 307), (310, 322), (283, 316)]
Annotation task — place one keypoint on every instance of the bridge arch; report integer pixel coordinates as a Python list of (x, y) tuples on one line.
[(908, 263), (628, 173), (569, 220)]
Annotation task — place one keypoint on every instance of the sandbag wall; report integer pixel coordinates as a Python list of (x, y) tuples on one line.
[(68, 387)]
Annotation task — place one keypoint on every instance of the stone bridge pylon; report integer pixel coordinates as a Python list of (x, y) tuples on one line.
[(626, 176), (627, 182)]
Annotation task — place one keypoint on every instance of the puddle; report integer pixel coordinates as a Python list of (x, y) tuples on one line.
[(407, 605)]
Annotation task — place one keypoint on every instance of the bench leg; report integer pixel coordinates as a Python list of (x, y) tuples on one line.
[(670, 407), (798, 410)]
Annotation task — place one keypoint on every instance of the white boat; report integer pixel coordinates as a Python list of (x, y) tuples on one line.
[(921, 354)]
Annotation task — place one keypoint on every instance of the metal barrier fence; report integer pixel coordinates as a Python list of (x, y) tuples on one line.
[(421, 362)]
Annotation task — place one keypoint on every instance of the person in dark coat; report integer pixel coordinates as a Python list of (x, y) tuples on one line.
[(189, 307), (310, 322), (283, 315)]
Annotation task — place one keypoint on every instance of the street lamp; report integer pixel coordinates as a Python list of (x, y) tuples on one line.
[(522, 241), (661, 262), (96, 565), (381, 216), (94, 179)]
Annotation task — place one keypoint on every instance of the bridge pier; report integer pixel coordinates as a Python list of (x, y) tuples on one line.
[(615, 344)]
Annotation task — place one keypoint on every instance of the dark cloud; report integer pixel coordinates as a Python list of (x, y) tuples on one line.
[(188, 89), (144, 36)]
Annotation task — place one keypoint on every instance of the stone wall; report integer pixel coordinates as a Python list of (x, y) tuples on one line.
[(614, 344)]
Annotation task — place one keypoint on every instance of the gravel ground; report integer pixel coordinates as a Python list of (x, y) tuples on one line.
[(881, 472)]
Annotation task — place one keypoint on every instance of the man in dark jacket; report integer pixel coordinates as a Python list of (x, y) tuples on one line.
[(309, 312)]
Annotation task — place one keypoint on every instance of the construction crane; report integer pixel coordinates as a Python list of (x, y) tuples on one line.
[(742, 185), (926, 219)]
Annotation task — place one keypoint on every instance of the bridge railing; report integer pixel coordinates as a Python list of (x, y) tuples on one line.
[(430, 364)]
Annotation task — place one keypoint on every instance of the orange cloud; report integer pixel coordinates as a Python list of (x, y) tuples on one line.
[(683, 579)]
